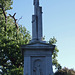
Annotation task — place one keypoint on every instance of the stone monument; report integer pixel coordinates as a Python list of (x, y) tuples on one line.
[(38, 53)]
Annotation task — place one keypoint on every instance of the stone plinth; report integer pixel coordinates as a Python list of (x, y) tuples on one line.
[(38, 58)]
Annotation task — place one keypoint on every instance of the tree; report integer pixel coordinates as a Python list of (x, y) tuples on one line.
[(12, 36), (55, 55), (65, 71)]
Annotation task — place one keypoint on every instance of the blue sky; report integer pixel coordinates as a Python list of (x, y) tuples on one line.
[(58, 21)]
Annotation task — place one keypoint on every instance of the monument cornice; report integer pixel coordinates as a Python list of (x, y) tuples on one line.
[(38, 46)]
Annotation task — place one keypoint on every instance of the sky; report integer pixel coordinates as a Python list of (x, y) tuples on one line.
[(58, 21)]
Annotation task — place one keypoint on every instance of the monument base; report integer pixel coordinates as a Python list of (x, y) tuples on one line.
[(38, 58)]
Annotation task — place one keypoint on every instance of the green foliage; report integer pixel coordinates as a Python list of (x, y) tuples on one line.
[(65, 71), (55, 54), (16, 71), (11, 39), (6, 4)]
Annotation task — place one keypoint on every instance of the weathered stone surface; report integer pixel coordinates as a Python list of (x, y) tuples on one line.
[(37, 22), (37, 54), (38, 58)]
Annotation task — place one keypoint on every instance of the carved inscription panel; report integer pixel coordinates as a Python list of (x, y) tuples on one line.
[(38, 66)]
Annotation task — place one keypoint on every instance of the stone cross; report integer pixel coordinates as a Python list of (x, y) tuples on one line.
[(37, 22)]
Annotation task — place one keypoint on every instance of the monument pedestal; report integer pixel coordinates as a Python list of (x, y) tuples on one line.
[(38, 58)]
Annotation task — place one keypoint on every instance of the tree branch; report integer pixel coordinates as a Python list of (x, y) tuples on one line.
[(15, 20), (19, 19), (4, 15)]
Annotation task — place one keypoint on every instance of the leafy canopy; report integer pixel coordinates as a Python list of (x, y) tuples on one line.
[(11, 39)]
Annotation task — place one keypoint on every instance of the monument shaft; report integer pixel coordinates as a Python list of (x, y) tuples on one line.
[(37, 21)]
